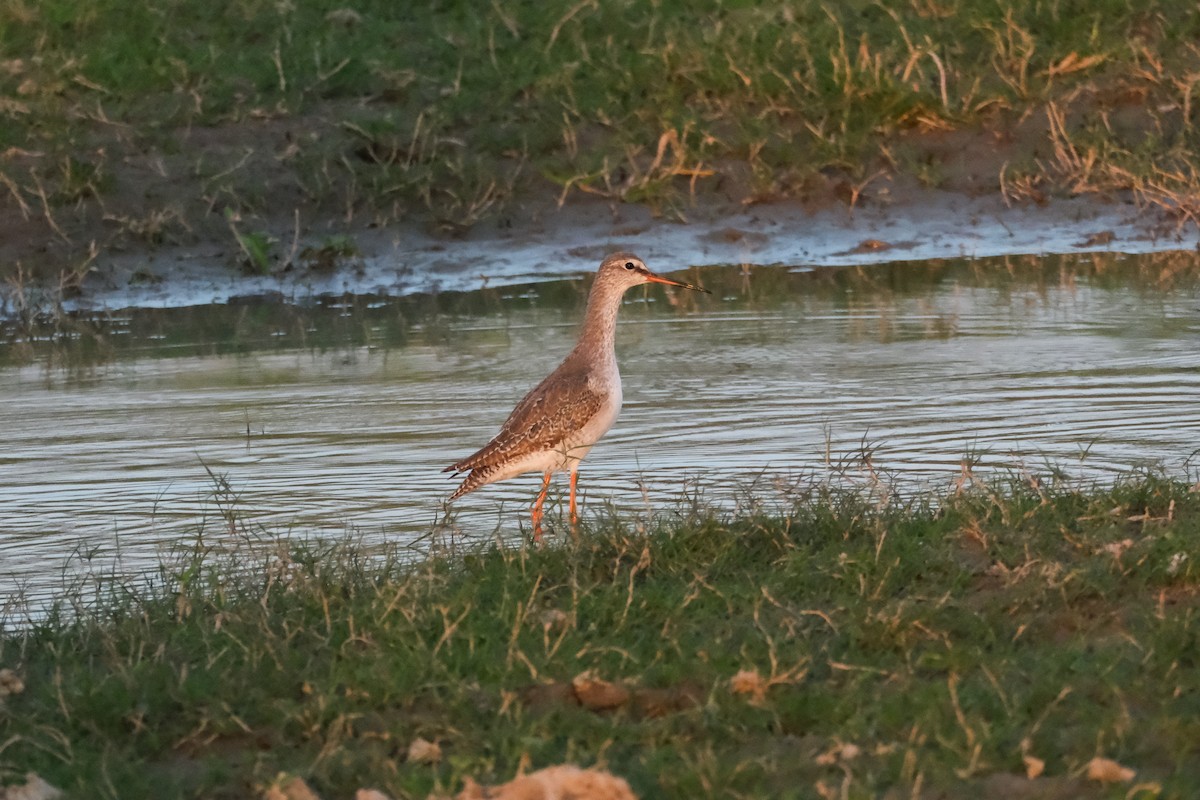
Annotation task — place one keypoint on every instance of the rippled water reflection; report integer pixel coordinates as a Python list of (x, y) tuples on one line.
[(341, 417)]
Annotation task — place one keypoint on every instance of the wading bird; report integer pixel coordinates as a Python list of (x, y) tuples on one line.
[(556, 424)]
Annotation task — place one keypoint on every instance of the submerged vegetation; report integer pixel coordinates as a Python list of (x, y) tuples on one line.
[(1010, 640), (136, 124)]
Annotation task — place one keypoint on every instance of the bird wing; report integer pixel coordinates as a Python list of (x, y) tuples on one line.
[(560, 405)]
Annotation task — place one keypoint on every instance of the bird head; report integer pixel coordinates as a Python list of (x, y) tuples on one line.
[(626, 269)]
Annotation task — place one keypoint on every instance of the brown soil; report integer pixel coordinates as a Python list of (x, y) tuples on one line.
[(163, 207)]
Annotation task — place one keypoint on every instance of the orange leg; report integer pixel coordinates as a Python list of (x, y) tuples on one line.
[(537, 512), (574, 515)]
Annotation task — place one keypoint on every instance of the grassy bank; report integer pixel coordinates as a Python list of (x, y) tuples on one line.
[(842, 647), (134, 123)]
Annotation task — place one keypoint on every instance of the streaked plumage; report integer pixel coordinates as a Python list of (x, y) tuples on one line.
[(544, 422), (561, 418)]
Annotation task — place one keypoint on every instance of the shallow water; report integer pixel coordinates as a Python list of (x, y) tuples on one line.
[(129, 434)]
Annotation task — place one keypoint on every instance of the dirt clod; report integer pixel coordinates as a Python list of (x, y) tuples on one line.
[(290, 789), (554, 783), (422, 751), (10, 683), (1105, 770), (595, 694)]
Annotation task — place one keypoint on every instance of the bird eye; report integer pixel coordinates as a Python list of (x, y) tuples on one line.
[(628, 265)]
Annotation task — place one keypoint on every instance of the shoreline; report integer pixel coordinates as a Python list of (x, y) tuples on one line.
[(552, 243)]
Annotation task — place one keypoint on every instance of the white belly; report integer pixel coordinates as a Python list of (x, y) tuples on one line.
[(597, 426)]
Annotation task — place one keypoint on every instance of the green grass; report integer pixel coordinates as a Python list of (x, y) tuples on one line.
[(945, 638), (447, 110)]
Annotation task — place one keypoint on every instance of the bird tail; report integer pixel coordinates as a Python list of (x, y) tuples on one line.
[(475, 478)]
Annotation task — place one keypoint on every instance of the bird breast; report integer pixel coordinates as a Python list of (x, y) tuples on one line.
[(608, 387)]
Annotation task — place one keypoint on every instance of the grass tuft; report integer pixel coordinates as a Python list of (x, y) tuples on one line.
[(931, 646)]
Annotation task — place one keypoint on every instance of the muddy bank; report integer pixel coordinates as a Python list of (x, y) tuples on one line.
[(550, 243)]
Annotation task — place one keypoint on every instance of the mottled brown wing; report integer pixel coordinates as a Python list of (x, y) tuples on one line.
[(553, 410)]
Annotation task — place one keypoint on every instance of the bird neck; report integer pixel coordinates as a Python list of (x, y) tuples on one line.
[(600, 321)]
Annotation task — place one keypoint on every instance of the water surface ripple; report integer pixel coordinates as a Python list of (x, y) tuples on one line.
[(115, 462)]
